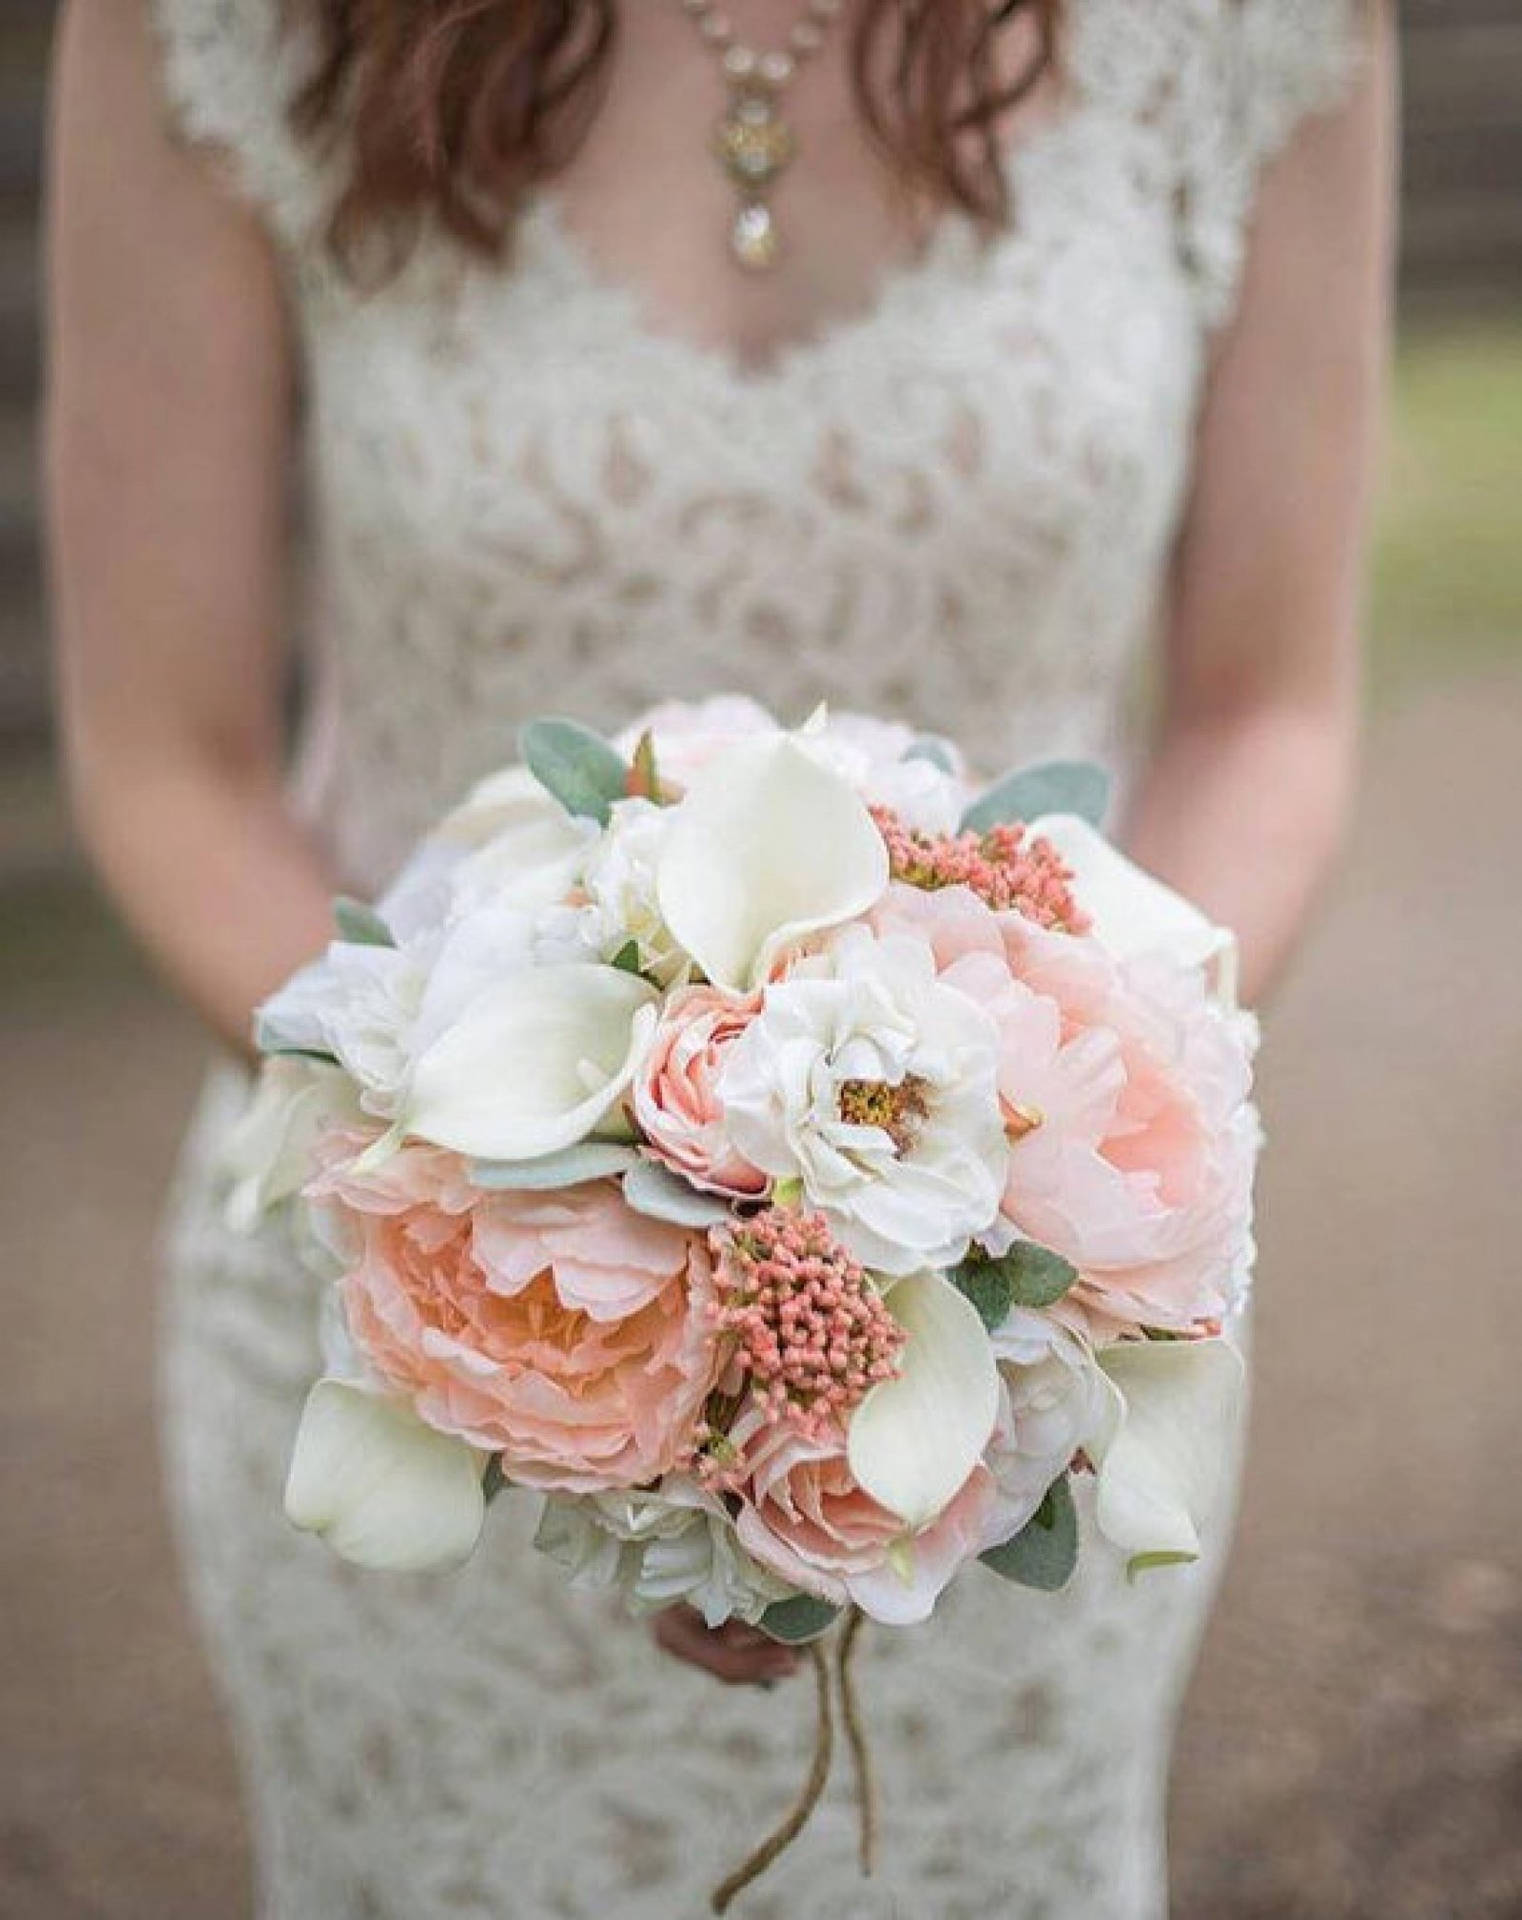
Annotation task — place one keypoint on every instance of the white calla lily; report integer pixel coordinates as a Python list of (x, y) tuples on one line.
[(914, 1439), (533, 1064), (1165, 1443), (1133, 912), (384, 1490), (768, 845)]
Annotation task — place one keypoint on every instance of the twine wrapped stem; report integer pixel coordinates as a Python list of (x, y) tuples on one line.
[(782, 1837)]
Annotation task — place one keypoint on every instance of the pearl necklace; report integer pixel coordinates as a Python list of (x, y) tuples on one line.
[(753, 142)]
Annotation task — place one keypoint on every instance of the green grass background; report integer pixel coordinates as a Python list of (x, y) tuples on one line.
[(1447, 572)]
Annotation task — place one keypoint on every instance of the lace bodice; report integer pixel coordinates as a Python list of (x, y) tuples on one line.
[(957, 508)]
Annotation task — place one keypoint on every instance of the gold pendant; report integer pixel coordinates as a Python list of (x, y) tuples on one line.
[(754, 144)]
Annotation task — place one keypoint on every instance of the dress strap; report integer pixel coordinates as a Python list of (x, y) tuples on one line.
[(230, 69), (1268, 65)]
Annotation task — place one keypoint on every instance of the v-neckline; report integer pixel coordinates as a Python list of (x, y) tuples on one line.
[(951, 239)]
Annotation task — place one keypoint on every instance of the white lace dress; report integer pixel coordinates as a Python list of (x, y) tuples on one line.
[(956, 508)]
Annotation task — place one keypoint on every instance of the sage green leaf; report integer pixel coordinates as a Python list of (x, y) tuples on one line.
[(1056, 786), (1026, 1276), (577, 766), (988, 1286), (360, 925), (494, 1480), (1045, 1550), (795, 1622), (587, 1160), (936, 751), (659, 1194), (627, 957)]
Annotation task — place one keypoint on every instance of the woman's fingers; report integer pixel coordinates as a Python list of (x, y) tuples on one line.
[(735, 1653)]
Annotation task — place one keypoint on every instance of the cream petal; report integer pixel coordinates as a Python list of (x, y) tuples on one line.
[(267, 1155), (767, 845), (383, 1489), (1132, 911), (533, 1064), (914, 1440), (1164, 1443)]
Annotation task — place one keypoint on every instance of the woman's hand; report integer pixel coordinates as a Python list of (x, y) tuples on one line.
[(734, 1653)]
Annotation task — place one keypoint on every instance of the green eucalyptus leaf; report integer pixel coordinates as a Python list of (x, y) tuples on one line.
[(1045, 1550), (1026, 1276), (795, 1622), (1056, 786), (360, 925), (627, 957), (587, 1160), (576, 766), (659, 1194), (987, 1286), (936, 751)]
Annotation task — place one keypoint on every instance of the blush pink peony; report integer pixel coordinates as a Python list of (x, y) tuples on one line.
[(562, 1330), (804, 1518), (1126, 1096), (676, 1091)]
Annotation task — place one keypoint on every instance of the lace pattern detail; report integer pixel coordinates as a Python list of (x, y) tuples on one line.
[(957, 508)]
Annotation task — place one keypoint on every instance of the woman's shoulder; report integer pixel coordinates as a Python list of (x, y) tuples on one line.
[(1213, 89), (230, 71)]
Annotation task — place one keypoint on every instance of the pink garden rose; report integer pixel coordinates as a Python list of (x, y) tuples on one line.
[(1126, 1092), (804, 1518), (562, 1330), (676, 1100)]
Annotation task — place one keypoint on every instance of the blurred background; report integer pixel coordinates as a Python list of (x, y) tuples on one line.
[(1354, 1741)]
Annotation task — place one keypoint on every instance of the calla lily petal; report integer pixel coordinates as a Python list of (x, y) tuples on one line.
[(1165, 1443), (768, 844), (383, 1489), (914, 1440), (1132, 911), (534, 1062)]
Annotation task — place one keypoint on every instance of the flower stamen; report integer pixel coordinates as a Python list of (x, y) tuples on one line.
[(1007, 867), (812, 1335), (898, 1109)]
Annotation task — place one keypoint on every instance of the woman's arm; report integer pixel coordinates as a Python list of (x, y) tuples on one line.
[(167, 438), (1243, 802)]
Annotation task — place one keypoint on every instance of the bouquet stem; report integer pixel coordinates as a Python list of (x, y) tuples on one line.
[(856, 1737), (782, 1837)]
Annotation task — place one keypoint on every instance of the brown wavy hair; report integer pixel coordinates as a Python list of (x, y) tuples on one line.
[(458, 109)]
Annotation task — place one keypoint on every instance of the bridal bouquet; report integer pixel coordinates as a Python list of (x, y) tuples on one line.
[(795, 1164)]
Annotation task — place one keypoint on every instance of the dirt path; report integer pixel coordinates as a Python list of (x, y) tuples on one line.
[(1354, 1744)]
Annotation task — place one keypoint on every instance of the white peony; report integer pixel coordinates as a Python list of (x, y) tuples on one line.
[(619, 881), (878, 758), (872, 1083), (358, 1005), (1055, 1399), (690, 735), (659, 1547)]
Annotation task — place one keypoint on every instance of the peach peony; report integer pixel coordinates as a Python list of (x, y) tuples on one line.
[(804, 1518), (675, 1097), (562, 1330), (1126, 1095)]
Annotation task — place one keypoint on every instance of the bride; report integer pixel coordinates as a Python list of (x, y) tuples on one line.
[(986, 353)]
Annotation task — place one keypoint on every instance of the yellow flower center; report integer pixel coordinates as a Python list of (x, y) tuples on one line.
[(897, 1110)]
